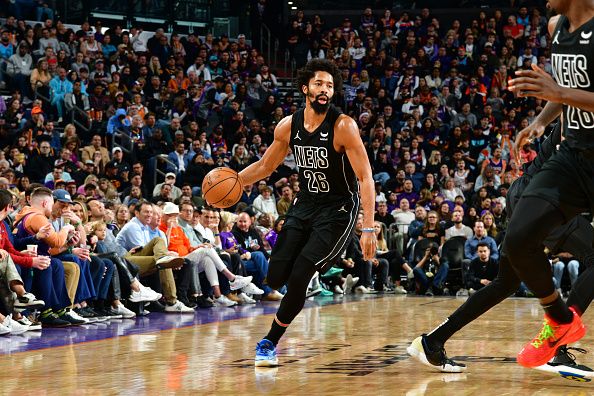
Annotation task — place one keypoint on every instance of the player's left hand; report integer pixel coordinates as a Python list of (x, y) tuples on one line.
[(368, 245), (536, 83)]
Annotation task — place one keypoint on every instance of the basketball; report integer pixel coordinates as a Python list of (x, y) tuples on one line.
[(222, 187)]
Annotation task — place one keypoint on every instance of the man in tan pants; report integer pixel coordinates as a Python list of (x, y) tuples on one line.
[(151, 254)]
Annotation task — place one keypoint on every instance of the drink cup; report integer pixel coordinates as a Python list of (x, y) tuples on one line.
[(32, 248)]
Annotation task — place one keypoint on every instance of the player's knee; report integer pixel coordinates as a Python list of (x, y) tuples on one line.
[(518, 241)]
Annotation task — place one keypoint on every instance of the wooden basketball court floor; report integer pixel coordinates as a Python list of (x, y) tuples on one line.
[(352, 345)]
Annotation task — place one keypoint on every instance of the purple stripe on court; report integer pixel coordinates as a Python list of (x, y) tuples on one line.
[(50, 338)]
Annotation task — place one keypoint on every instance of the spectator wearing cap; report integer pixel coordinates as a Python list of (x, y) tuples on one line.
[(202, 257), (170, 179), (151, 254), (88, 168), (77, 99), (212, 69), (99, 76), (242, 46), (111, 174), (71, 188), (118, 159), (19, 68), (49, 282), (210, 101), (91, 48), (88, 152)]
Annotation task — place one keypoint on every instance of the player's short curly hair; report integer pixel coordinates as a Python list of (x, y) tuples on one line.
[(309, 70)]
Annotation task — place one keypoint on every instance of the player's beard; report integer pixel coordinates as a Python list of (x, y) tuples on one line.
[(319, 108), (552, 11)]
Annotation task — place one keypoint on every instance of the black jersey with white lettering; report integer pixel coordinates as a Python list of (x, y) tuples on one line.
[(572, 58), (324, 174)]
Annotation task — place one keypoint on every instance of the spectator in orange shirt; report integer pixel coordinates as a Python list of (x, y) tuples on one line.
[(203, 256)]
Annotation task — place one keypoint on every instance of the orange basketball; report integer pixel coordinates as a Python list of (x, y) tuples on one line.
[(222, 187)]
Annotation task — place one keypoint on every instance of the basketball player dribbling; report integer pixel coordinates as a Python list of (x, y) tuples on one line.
[(562, 188), (331, 158)]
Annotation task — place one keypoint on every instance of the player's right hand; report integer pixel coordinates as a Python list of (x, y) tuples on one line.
[(368, 245), (527, 135)]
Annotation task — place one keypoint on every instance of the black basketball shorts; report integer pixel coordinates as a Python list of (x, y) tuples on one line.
[(317, 231)]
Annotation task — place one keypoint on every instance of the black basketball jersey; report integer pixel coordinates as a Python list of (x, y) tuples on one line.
[(572, 58), (324, 174)]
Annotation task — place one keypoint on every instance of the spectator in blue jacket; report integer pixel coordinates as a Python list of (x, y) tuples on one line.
[(480, 235), (117, 121)]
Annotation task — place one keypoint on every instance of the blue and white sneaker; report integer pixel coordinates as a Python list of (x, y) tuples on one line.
[(266, 354)]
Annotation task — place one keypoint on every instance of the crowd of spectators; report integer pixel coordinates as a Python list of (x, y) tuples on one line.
[(432, 102), (95, 112)]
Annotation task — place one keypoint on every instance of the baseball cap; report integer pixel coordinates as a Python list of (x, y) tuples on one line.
[(89, 162), (36, 110), (62, 196), (116, 149), (213, 58), (170, 208), (170, 174)]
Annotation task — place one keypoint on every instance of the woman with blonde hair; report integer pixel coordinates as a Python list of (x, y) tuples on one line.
[(227, 221), (489, 221), (450, 191), (122, 216), (155, 66), (434, 162), (80, 209), (397, 263), (41, 77)]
